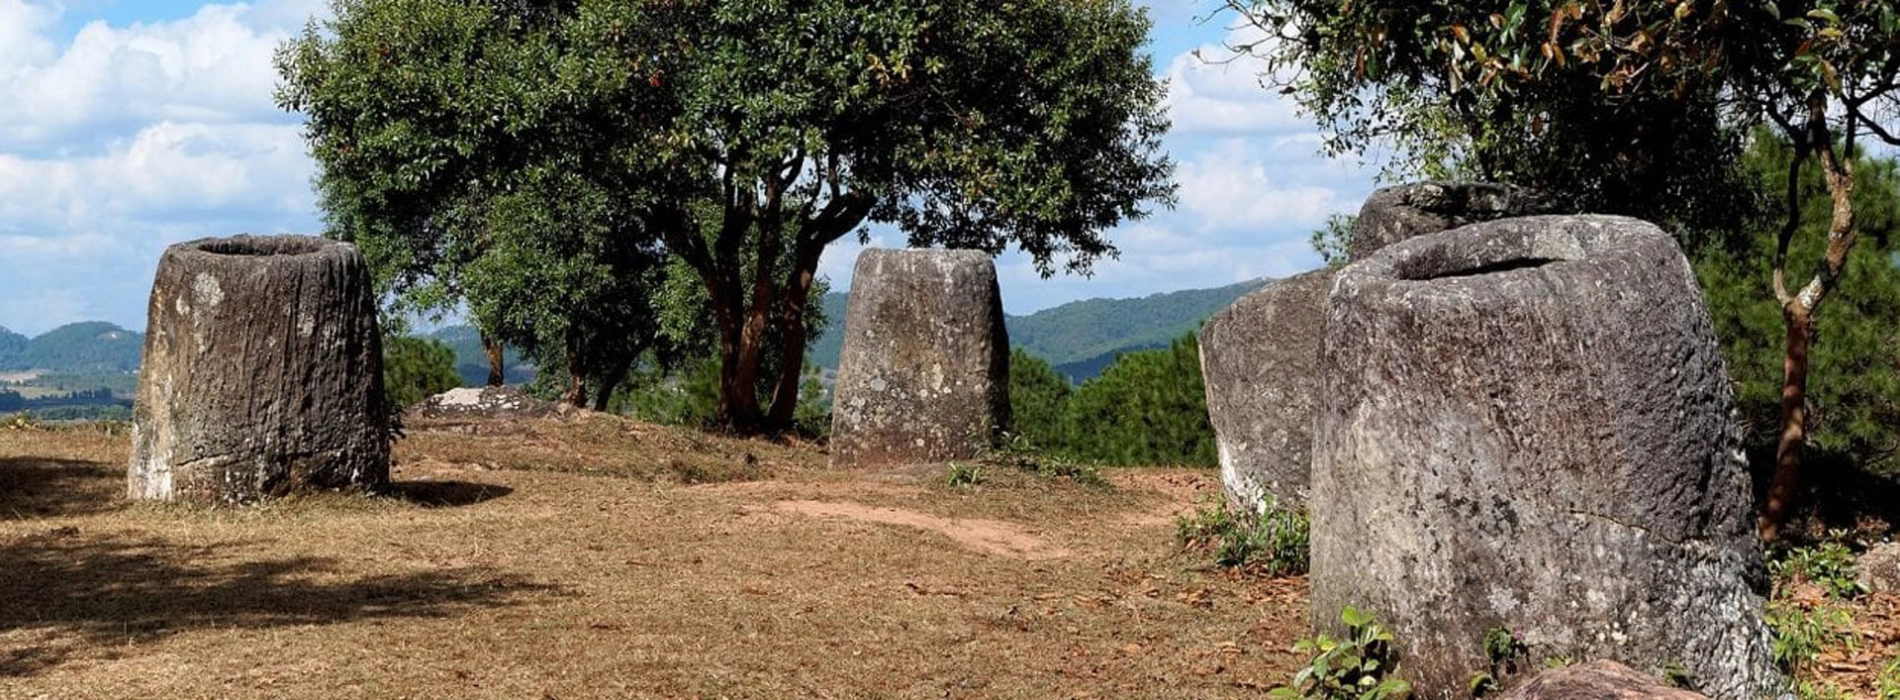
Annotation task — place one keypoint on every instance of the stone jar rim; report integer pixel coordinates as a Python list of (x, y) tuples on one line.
[(1493, 253), (263, 248)]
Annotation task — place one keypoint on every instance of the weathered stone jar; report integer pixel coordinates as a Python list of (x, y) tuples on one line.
[(1524, 425), (1260, 356), (924, 373), (262, 373)]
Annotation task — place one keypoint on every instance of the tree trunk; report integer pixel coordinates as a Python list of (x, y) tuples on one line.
[(492, 348), (1799, 310), (791, 366), (738, 391), (576, 394), (604, 391), (1794, 421)]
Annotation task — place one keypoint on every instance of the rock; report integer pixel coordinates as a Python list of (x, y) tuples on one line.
[(1878, 569), (1260, 356), (1260, 363), (1525, 424), (1596, 680), (924, 373), (262, 373), (1396, 213), (485, 403)]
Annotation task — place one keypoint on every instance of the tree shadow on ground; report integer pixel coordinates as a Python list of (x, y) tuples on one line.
[(446, 494), (40, 488), (35, 487), (62, 590)]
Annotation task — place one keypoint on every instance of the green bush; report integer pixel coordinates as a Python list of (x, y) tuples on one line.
[(1013, 451), (1273, 542), (1362, 666), (415, 369), (1829, 565)]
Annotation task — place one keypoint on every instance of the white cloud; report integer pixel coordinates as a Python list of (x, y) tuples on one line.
[(22, 40), (166, 171), (1212, 91), (1245, 194), (116, 141), (212, 67)]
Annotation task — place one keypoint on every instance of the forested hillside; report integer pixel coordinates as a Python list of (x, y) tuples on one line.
[(89, 346), (1080, 338), (471, 364)]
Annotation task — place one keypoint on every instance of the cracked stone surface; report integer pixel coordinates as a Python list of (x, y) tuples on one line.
[(1401, 212), (1525, 424), (924, 373), (1260, 356), (262, 373)]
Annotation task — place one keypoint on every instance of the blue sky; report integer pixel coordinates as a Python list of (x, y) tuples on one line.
[(129, 125)]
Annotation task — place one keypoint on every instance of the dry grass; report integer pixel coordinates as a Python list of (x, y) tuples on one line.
[(578, 559), (601, 558)]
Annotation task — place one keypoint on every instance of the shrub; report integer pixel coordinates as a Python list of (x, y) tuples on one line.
[(1016, 451), (962, 474), (1360, 667), (1829, 565), (1273, 542)]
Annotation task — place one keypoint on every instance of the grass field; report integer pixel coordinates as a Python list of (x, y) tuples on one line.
[(559, 560), (604, 558)]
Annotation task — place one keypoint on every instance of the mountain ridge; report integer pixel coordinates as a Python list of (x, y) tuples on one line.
[(83, 346), (1078, 338)]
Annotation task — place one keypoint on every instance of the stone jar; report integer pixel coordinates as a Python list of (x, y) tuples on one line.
[(262, 373), (924, 373), (1525, 425)]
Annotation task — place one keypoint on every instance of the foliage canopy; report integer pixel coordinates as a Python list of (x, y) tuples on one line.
[(739, 136)]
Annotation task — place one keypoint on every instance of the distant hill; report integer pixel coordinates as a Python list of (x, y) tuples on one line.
[(85, 347), (1080, 338), (91, 347)]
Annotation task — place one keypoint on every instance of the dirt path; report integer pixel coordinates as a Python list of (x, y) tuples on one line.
[(993, 536)]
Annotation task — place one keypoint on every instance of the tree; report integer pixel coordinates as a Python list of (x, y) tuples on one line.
[(415, 369), (1332, 240), (565, 281), (965, 124), (458, 168), (1855, 398), (746, 136), (1149, 407), (1633, 97), (1037, 397)]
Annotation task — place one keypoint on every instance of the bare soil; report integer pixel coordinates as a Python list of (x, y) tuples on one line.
[(595, 557), (591, 557)]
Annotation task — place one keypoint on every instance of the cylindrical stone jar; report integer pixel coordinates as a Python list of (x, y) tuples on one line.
[(1525, 425), (262, 373)]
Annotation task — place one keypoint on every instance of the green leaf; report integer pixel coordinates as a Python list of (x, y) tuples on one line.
[(1354, 618)]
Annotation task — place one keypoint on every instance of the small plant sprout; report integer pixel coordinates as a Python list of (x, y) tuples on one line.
[(1362, 666)]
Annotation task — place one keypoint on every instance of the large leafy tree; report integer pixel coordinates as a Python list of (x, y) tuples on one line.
[(1633, 97), (743, 135), (451, 156)]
